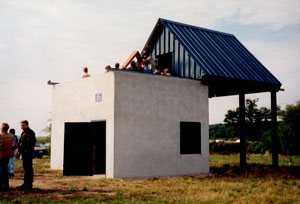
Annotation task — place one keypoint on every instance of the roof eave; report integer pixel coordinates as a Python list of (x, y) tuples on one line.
[(222, 86), (154, 32)]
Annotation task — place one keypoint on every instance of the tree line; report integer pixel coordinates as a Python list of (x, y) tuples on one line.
[(258, 127)]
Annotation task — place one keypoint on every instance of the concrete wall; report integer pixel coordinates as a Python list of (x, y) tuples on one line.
[(74, 101), (148, 111)]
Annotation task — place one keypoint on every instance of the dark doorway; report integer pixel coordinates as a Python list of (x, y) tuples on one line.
[(99, 147), (85, 148), (165, 61)]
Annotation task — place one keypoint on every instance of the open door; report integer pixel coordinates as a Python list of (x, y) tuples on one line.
[(99, 147), (78, 149), (84, 148)]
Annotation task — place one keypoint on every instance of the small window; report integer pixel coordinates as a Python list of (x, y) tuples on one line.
[(190, 138), (165, 61)]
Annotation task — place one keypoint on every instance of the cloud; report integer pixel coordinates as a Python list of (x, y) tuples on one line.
[(25, 100), (273, 15), (278, 56)]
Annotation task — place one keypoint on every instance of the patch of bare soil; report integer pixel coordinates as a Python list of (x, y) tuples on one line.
[(52, 185)]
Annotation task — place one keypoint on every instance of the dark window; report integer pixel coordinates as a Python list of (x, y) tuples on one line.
[(165, 61), (190, 138)]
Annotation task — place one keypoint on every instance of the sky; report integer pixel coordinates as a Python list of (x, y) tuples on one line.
[(43, 40)]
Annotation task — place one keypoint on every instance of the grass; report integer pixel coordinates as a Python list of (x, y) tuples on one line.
[(260, 184), (43, 140), (217, 160), (40, 165)]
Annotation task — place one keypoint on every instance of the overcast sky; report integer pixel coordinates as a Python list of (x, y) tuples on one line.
[(43, 39)]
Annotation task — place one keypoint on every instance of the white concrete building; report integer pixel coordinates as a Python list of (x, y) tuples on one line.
[(126, 124)]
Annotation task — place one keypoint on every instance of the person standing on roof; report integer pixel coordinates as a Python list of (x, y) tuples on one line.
[(146, 67), (156, 70), (166, 72), (106, 68), (132, 67), (85, 73)]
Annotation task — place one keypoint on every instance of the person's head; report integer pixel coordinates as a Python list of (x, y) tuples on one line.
[(144, 55), (107, 67), (166, 71), (117, 65), (146, 63), (4, 127), (85, 70), (24, 124), (12, 131), (133, 64)]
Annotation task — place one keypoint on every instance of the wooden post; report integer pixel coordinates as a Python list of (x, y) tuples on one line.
[(242, 132), (274, 130)]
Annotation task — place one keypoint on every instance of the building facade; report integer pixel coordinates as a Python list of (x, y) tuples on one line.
[(126, 124), (148, 121)]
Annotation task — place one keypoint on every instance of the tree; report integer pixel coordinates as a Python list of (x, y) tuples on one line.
[(257, 120), (47, 129), (289, 129), (220, 131)]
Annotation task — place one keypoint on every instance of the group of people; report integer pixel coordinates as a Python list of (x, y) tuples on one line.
[(10, 147), (146, 65)]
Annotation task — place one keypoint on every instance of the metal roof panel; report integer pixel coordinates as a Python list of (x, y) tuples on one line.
[(219, 54)]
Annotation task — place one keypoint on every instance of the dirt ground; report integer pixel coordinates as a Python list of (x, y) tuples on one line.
[(51, 185), (260, 184)]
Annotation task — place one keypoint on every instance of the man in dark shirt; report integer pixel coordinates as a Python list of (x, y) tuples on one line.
[(26, 146)]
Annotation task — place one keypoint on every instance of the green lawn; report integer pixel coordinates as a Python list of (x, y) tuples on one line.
[(43, 140), (260, 184), (217, 160)]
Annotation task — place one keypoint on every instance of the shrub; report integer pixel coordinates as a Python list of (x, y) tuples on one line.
[(224, 147), (213, 147), (256, 148)]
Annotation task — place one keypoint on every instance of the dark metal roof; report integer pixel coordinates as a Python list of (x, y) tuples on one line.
[(219, 55)]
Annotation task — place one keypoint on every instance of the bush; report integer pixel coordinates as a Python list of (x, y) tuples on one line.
[(229, 147), (224, 147), (213, 147), (256, 148)]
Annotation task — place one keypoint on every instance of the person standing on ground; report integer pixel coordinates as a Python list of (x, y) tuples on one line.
[(12, 161), (26, 146), (6, 152)]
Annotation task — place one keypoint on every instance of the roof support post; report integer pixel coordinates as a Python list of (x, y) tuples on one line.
[(275, 141), (242, 132)]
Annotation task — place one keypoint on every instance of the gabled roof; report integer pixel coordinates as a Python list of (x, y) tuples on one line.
[(219, 55)]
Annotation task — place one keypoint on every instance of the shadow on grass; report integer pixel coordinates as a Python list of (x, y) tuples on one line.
[(73, 195), (257, 170), (15, 192)]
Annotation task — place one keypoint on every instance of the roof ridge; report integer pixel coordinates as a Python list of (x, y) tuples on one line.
[(196, 27)]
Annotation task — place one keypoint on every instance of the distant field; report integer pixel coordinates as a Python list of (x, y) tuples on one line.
[(43, 140), (217, 160), (260, 184)]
